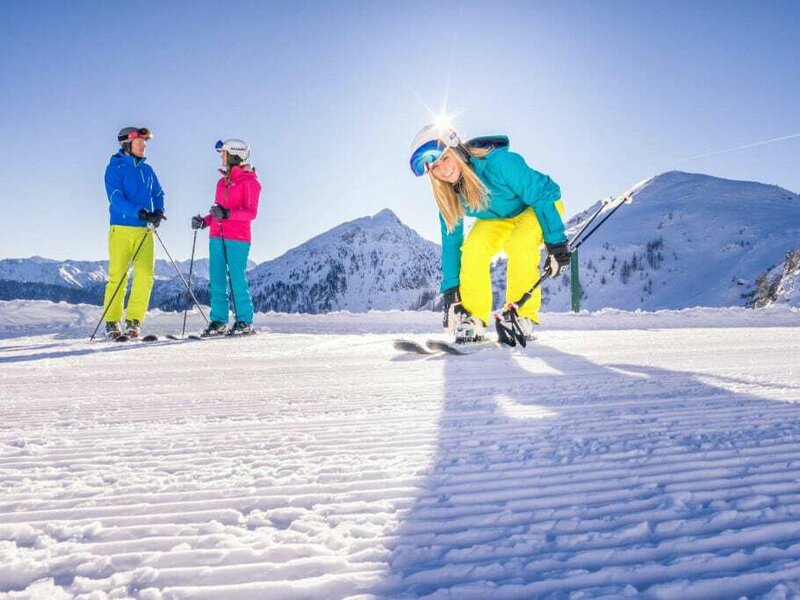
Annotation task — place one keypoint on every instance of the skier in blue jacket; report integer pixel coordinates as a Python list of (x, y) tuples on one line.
[(135, 203), (517, 209)]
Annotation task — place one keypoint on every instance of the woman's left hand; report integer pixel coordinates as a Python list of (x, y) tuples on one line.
[(558, 259)]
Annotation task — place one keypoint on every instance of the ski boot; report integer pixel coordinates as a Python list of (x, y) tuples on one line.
[(241, 328), (525, 326), (214, 329), (133, 329), (464, 327), (112, 330)]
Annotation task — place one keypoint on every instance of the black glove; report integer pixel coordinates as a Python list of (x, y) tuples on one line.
[(558, 259), (198, 222), (220, 212), (154, 217), (449, 298)]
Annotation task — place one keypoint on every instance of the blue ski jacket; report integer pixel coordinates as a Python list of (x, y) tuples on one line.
[(513, 187), (131, 185)]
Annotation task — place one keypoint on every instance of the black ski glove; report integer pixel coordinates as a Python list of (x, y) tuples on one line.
[(154, 217), (220, 212), (558, 259), (449, 297), (198, 222)]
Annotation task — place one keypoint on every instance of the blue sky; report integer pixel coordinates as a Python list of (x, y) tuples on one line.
[(599, 95)]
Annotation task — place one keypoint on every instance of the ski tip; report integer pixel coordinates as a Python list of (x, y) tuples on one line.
[(410, 346), (446, 347)]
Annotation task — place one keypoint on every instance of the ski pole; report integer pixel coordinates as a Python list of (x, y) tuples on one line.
[(625, 200), (593, 217), (123, 278), (191, 267), (577, 240), (183, 279), (228, 269), (575, 243)]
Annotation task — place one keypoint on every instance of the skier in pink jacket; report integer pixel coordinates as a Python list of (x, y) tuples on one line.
[(236, 205)]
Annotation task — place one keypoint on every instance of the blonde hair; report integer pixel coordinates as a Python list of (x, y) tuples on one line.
[(474, 193)]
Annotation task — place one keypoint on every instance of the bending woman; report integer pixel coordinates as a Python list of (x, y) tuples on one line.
[(516, 209)]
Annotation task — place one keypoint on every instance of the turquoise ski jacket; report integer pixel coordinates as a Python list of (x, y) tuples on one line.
[(513, 186)]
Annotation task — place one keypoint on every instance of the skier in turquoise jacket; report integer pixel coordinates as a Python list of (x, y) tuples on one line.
[(517, 209)]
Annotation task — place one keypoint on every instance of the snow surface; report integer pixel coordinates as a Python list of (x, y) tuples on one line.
[(623, 454)]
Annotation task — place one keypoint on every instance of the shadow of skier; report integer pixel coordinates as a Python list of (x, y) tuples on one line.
[(555, 475)]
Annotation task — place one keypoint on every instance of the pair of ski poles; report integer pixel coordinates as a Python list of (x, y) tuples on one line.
[(152, 230), (514, 335)]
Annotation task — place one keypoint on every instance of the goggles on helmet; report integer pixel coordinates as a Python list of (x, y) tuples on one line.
[(426, 155), (218, 146), (142, 132)]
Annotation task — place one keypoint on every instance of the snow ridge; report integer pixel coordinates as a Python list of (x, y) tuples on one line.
[(686, 240), (372, 263)]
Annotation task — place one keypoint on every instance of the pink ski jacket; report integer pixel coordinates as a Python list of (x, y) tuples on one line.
[(240, 195)]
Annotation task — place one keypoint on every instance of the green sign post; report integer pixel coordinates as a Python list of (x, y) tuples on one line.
[(575, 283)]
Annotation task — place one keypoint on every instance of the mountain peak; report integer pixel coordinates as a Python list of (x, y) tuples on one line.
[(386, 215)]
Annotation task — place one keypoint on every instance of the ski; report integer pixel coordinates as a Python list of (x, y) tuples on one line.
[(412, 347), (126, 338), (435, 346), (198, 336), (459, 349)]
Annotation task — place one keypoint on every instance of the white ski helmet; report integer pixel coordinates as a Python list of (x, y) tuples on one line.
[(234, 147), (429, 144)]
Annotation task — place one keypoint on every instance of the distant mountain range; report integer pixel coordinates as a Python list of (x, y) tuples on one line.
[(686, 240)]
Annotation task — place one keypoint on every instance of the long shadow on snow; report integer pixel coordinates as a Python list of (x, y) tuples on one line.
[(555, 475), (97, 347)]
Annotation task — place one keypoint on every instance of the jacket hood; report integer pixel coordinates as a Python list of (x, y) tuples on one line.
[(492, 142)]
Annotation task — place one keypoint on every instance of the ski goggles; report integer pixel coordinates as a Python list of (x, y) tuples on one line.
[(218, 146), (142, 132), (426, 155)]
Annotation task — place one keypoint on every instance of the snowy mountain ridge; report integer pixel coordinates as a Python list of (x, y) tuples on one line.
[(371, 263), (685, 240)]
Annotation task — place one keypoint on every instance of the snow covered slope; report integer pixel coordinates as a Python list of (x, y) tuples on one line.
[(623, 455), (370, 263), (687, 240)]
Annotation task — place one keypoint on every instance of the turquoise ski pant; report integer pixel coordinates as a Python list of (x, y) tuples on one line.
[(237, 252)]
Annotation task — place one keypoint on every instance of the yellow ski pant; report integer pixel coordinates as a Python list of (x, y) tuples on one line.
[(521, 237), (122, 244)]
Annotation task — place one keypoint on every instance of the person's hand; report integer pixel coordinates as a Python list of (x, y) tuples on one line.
[(198, 222), (156, 217), (220, 212), (558, 258)]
